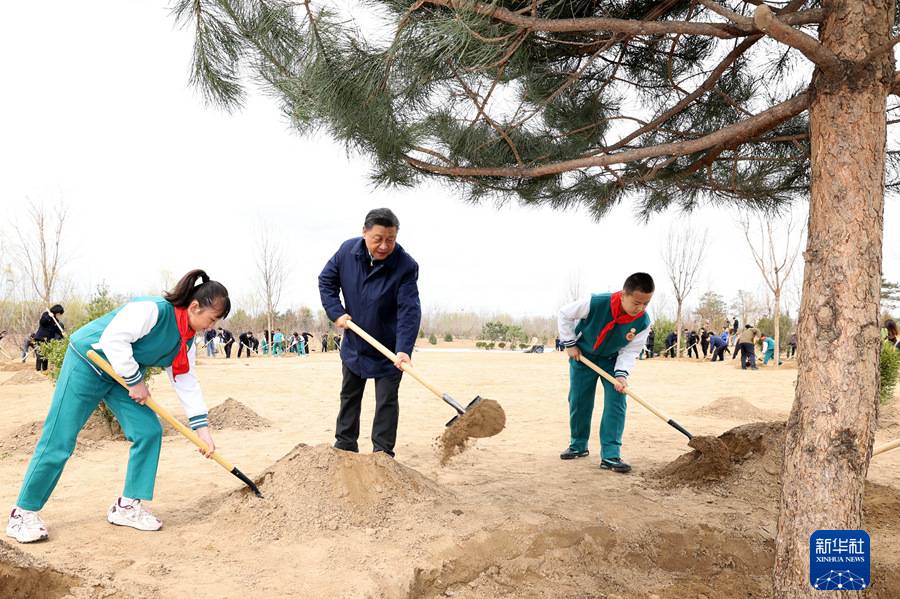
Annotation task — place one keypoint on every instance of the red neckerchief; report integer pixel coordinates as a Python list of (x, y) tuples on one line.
[(180, 364), (619, 317)]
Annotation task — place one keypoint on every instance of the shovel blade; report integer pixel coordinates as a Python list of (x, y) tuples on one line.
[(478, 399)]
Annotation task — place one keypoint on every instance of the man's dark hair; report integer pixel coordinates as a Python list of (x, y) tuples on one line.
[(639, 281), (56, 309), (748, 326), (381, 216)]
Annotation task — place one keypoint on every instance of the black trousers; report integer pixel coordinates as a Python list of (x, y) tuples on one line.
[(228, 345), (40, 362), (387, 412), (719, 354), (704, 345), (242, 348), (693, 350), (748, 355)]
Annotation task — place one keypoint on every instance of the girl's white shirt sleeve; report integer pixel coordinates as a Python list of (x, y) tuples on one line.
[(133, 321), (187, 387)]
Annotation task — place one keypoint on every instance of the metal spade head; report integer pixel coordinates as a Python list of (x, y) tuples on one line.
[(478, 399)]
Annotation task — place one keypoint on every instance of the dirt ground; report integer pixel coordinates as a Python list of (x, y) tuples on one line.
[(506, 518)]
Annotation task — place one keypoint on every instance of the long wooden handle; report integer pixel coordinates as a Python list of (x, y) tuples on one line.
[(628, 390), (886, 447), (393, 357), (160, 411)]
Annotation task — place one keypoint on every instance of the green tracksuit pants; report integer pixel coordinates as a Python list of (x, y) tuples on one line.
[(582, 388), (78, 391)]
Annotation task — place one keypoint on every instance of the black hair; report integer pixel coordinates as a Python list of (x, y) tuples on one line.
[(56, 309), (891, 327), (748, 326), (209, 294), (639, 281), (381, 216)]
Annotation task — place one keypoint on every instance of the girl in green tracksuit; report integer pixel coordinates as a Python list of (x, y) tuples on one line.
[(145, 332)]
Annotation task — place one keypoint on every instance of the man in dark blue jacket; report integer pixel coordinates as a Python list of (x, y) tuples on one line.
[(378, 281)]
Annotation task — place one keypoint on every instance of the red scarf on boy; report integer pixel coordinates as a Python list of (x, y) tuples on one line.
[(619, 317), (181, 365)]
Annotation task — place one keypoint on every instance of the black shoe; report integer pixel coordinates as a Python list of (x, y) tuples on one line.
[(571, 453), (346, 448), (615, 464)]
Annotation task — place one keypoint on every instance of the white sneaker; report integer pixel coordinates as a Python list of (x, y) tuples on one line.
[(130, 512), (25, 526)]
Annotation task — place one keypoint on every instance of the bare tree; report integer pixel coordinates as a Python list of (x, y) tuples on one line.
[(574, 287), (683, 255), (748, 306), (775, 255), (272, 273), (38, 251)]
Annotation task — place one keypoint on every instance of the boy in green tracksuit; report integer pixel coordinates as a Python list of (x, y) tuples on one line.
[(609, 329)]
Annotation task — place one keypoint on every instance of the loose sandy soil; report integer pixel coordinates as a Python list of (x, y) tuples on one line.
[(505, 518)]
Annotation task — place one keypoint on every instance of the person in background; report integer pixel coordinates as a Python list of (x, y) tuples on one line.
[(792, 345), (227, 341), (49, 329), (893, 337), (693, 339), (671, 342), (718, 344), (244, 343)]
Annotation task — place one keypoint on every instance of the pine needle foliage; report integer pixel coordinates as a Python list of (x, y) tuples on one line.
[(528, 101)]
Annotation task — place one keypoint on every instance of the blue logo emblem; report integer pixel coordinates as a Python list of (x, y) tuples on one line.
[(839, 560)]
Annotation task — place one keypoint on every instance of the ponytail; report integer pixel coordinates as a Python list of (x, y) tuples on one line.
[(209, 294)]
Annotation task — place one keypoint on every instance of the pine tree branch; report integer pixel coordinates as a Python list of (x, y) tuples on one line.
[(626, 26), (704, 87), (740, 21), (808, 45), (730, 135)]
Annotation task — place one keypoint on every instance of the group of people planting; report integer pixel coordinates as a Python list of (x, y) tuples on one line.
[(370, 280), (715, 347)]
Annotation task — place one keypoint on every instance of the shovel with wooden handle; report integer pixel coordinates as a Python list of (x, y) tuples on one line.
[(634, 396), (176, 424), (413, 373)]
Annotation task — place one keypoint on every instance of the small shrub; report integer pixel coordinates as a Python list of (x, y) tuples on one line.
[(480, 344), (523, 345), (421, 333), (432, 339), (448, 337), (489, 345), (501, 345)]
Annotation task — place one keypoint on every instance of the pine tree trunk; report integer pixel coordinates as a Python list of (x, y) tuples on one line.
[(832, 423)]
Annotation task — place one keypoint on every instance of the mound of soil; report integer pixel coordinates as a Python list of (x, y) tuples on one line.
[(233, 414), (734, 408), (752, 464), (229, 414), (26, 377), (325, 488), (484, 420), (16, 366), (24, 438)]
